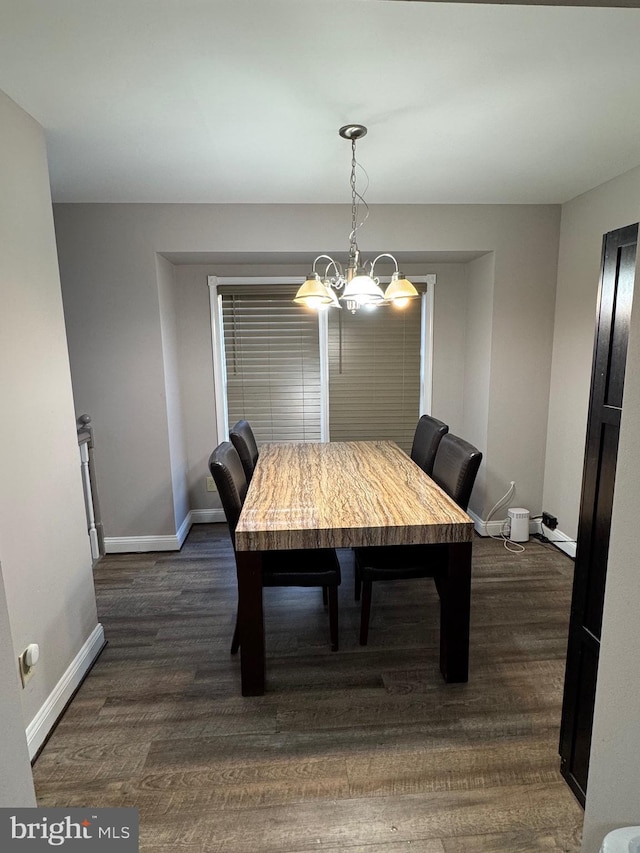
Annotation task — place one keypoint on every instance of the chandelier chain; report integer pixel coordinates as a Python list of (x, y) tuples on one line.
[(354, 195), (356, 200)]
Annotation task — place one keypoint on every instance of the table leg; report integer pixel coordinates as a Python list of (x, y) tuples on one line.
[(251, 622), (455, 599)]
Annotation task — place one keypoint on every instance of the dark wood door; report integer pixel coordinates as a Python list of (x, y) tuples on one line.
[(603, 426)]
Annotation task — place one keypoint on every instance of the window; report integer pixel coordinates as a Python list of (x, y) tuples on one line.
[(300, 376), (272, 357), (374, 374)]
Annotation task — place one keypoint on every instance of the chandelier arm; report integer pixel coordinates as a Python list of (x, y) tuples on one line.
[(326, 257), (384, 255), (338, 280), (337, 269)]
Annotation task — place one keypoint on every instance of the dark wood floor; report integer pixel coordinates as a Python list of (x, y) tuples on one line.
[(365, 750)]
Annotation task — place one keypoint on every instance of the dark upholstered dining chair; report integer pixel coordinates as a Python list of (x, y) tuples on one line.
[(455, 469), (319, 568), (244, 441), (426, 441)]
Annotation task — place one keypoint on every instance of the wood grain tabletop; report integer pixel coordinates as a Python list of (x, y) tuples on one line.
[(342, 495)]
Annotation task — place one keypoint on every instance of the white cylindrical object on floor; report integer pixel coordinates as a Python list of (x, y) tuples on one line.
[(519, 518)]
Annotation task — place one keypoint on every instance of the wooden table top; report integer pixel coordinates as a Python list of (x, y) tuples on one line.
[(343, 495)]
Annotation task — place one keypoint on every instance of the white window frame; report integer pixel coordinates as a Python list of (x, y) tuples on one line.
[(218, 353)]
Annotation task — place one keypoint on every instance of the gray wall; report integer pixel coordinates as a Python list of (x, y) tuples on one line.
[(521, 342), (168, 299), (110, 287), (196, 380), (613, 795), (44, 546), (449, 335), (112, 312), (477, 367)]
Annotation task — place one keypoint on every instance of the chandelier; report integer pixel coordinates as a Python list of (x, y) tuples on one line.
[(357, 286)]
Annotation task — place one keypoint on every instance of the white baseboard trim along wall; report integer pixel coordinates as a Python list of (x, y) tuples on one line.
[(206, 516), (138, 544), (46, 718), (495, 528), (559, 539)]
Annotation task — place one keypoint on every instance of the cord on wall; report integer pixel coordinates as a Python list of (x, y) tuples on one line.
[(509, 544), (503, 500)]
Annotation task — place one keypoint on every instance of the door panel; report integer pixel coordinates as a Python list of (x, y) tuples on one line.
[(598, 481)]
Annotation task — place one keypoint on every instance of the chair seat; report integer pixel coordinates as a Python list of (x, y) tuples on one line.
[(400, 561), (301, 568)]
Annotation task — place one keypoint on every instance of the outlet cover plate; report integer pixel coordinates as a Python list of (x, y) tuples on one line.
[(25, 671), (211, 485)]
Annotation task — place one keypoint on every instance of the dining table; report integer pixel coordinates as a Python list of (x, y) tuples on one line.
[(348, 494)]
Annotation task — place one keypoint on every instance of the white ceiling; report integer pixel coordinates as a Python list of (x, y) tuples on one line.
[(241, 101)]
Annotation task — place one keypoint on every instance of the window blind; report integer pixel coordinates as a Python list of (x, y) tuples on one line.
[(374, 374), (272, 363)]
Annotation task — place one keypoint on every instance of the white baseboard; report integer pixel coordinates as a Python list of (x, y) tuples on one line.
[(138, 544), (560, 540), (183, 530), (46, 718), (487, 528), (134, 544), (207, 516)]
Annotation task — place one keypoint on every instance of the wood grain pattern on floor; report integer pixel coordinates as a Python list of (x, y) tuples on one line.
[(366, 750)]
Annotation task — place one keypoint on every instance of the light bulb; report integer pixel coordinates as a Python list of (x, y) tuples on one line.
[(316, 302)]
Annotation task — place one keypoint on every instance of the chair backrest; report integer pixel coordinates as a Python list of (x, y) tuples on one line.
[(426, 440), (455, 468), (244, 442), (231, 482)]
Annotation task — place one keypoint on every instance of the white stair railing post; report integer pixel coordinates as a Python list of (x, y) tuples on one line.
[(85, 440)]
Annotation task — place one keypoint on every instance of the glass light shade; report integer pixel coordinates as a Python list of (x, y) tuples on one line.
[(334, 296), (363, 290), (313, 293), (400, 290)]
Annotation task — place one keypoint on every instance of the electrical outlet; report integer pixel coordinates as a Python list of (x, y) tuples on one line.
[(211, 485), (549, 520), (27, 661)]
